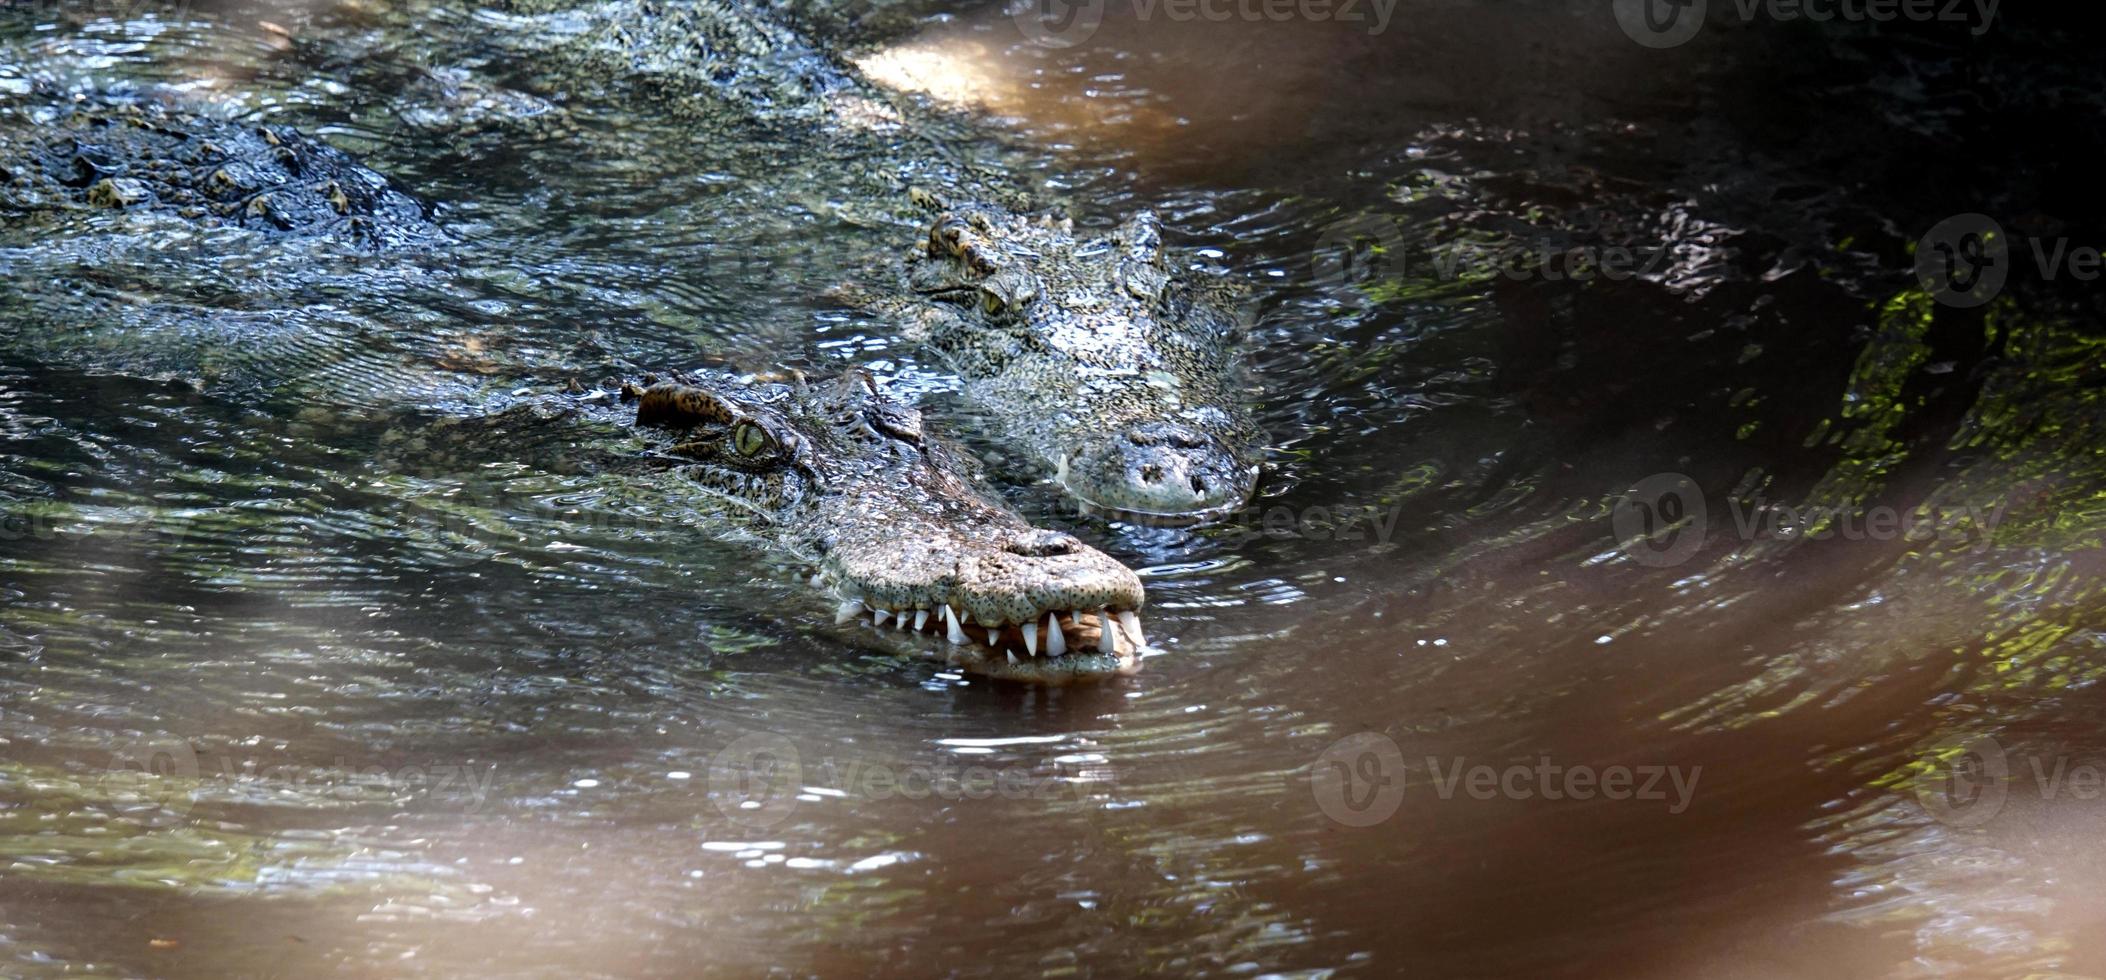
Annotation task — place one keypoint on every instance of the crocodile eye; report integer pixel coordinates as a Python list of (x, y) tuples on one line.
[(990, 302), (750, 439)]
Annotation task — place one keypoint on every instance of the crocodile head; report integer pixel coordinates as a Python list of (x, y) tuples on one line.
[(1114, 365), (840, 476)]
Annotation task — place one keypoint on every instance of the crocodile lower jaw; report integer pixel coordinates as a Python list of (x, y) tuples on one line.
[(1062, 646)]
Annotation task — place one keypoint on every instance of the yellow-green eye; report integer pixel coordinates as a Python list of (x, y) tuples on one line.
[(990, 302), (749, 440)]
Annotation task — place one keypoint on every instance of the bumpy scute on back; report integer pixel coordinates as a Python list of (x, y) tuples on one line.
[(125, 154)]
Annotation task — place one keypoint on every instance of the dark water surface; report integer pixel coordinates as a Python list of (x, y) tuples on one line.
[(278, 699)]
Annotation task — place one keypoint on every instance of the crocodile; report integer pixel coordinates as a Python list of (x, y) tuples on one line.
[(891, 524), (1111, 358), (899, 525), (896, 523), (1094, 353)]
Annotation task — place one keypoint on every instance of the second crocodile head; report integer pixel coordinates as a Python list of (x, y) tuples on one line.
[(1102, 355)]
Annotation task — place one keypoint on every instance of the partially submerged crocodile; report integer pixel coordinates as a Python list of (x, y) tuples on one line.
[(834, 475), (1102, 354), (1110, 357)]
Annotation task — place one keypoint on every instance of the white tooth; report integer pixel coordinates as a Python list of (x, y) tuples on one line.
[(1056, 644), (1030, 637), (847, 610), (921, 618), (1012, 656), (1107, 637), (1131, 621), (950, 615), (902, 621), (879, 616)]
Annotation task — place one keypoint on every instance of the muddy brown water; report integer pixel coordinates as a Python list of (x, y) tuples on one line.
[(1736, 617)]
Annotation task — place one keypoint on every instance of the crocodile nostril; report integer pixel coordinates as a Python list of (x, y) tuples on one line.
[(1199, 485), (1042, 544)]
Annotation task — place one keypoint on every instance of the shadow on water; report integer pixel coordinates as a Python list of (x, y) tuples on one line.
[(1738, 616)]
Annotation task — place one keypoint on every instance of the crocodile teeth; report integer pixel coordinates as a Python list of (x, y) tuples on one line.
[(879, 616), (1107, 638), (1056, 644), (849, 609), (1131, 622), (1012, 656), (950, 616), (921, 618), (1030, 638)]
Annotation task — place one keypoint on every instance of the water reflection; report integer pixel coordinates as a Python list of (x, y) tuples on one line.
[(289, 683)]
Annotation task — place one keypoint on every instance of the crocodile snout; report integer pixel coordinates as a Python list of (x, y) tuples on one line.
[(1001, 597), (1161, 469)]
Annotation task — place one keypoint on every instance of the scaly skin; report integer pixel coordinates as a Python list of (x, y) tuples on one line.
[(835, 475), (1109, 358), (839, 476), (138, 156), (1097, 354)]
